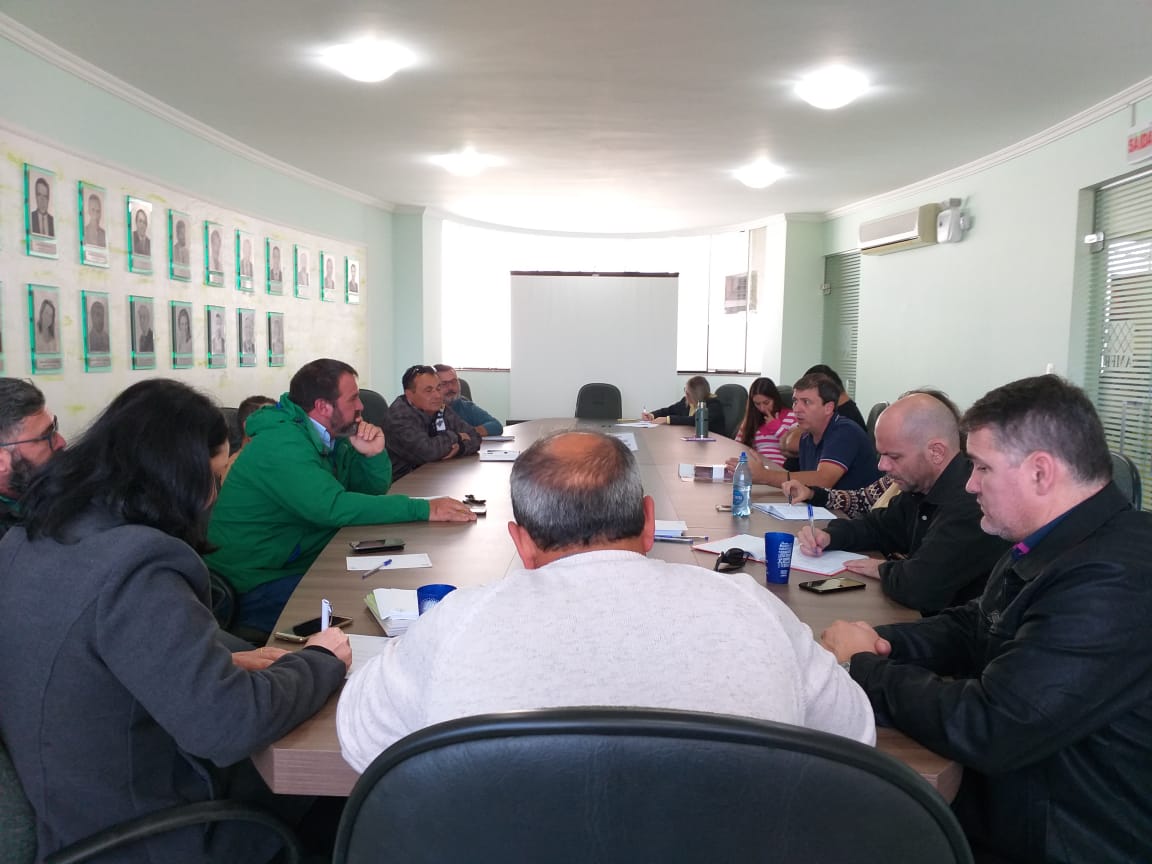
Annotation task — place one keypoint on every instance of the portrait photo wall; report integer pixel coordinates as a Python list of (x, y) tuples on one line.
[(107, 277)]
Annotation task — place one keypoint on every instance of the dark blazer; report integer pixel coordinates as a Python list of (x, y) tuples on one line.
[(46, 226), (677, 414)]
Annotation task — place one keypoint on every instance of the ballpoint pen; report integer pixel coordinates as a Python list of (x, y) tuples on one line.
[(325, 614), (376, 569), (812, 524), (683, 538)]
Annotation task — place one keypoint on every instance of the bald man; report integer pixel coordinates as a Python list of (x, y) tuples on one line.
[(937, 555)]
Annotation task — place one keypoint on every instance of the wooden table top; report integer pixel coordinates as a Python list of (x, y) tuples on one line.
[(307, 761)]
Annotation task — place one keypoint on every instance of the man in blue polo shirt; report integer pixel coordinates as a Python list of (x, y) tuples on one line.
[(835, 453)]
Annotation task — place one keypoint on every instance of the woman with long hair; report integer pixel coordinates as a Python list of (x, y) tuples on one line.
[(46, 341), (697, 392), (120, 697), (767, 421)]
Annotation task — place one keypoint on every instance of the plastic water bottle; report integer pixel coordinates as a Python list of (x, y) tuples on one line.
[(742, 488), (702, 420)]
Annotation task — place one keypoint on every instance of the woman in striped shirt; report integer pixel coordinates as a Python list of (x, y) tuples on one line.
[(766, 421)]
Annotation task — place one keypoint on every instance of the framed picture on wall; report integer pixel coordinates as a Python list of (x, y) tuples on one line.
[(275, 338), (44, 328), (217, 332), (246, 336), (179, 242), (93, 234), (181, 319), (274, 267), (328, 283), (213, 254), (245, 263), (301, 264), (143, 334), (139, 235), (39, 219), (97, 338), (351, 280)]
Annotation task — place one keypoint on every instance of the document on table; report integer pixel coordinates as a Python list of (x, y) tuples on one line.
[(638, 424), (747, 542), (388, 562), (497, 455), (499, 437), (827, 564), (793, 511), (670, 528), (364, 648), (393, 608)]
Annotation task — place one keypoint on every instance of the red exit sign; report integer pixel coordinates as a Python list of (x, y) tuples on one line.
[(1140, 144)]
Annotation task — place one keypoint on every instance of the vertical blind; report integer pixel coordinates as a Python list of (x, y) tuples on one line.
[(842, 315)]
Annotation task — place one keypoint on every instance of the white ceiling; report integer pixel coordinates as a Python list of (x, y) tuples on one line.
[(617, 115)]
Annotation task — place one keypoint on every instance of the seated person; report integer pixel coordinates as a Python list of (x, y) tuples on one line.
[(122, 700), (683, 413), (467, 410), (767, 421), (420, 428), (850, 502), (246, 409), (312, 467), (938, 554), (835, 453), (592, 621), (29, 438), (845, 405)]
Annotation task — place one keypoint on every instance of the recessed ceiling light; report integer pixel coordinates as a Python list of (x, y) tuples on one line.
[(833, 87), (368, 59), (467, 163), (759, 174)]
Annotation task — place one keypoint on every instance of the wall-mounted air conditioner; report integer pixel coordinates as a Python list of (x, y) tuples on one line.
[(901, 231)]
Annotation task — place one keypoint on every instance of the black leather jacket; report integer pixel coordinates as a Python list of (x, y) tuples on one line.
[(1049, 707), (677, 414)]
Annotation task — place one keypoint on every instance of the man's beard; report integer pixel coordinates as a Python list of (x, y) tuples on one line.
[(347, 430), (21, 473)]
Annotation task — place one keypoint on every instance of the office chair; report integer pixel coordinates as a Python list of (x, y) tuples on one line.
[(785, 396), (599, 402), (18, 825), (465, 390), (235, 433), (734, 398), (873, 416), (1126, 476), (375, 406), (621, 785)]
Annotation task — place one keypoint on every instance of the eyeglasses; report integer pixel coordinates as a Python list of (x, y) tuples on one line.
[(732, 559), (49, 435)]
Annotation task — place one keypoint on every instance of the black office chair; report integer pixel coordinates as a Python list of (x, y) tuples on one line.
[(785, 396), (734, 398), (599, 402), (235, 433), (622, 785), (465, 390), (375, 406), (18, 825), (873, 416), (1126, 476)]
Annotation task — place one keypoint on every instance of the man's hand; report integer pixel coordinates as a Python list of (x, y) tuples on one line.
[(796, 492), (869, 567), (464, 436), (845, 638), (451, 454), (336, 641), (813, 542), (646, 415), (760, 474), (259, 659), (449, 510), (368, 440), (480, 431)]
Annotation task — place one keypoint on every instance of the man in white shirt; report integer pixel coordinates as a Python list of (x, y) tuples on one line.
[(592, 621)]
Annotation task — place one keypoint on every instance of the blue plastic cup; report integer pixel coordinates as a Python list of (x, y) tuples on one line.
[(778, 556), (427, 596)]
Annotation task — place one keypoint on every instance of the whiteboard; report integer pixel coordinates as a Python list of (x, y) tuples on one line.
[(571, 329)]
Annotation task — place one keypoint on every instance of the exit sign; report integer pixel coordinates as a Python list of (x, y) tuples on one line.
[(1140, 144)]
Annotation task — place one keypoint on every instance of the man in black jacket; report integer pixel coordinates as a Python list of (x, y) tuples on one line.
[(1042, 687), (938, 556), (29, 437)]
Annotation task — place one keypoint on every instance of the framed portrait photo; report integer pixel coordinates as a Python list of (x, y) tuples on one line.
[(44, 328), (245, 262), (139, 214), (213, 254), (328, 290), (217, 332), (351, 280), (246, 336), (275, 338), (179, 246), (180, 315), (274, 266), (97, 338), (141, 324), (301, 263), (39, 216), (93, 234)]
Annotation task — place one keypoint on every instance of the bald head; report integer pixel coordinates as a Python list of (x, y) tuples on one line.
[(917, 437)]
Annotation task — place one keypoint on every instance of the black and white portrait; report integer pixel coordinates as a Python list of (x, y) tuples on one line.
[(217, 336), (93, 233), (302, 264), (275, 266), (140, 235), (44, 314), (275, 339), (246, 336), (352, 280), (143, 333), (97, 340), (213, 254), (39, 211), (179, 253)]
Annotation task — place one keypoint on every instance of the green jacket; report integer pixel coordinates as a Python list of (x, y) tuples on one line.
[(287, 494)]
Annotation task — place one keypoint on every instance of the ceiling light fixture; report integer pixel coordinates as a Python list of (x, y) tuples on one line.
[(467, 163), (759, 174), (368, 59), (833, 87)]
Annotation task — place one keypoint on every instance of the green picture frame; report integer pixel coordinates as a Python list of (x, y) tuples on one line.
[(40, 237), (245, 262), (302, 270), (274, 266), (275, 338), (180, 326), (45, 339), (96, 322), (142, 326), (179, 246), (246, 337), (213, 254), (139, 228), (352, 277), (91, 206), (216, 336)]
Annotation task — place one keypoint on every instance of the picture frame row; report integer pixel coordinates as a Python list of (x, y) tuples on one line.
[(41, 241)]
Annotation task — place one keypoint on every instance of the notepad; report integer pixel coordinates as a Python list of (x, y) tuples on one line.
[(747, 542), (670, 527), (793, 511), (499, 455), (393, 608), (828, 564), (399, 562)]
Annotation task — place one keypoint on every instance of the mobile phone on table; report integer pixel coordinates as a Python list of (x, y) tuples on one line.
[(836, 583), (305, 630), (388, 544)]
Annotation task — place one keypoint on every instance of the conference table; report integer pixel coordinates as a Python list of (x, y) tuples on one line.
[(307, 761)]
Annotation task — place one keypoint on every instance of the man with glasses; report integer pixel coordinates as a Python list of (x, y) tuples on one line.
[(421, 429), (480, 420), (29, 437)]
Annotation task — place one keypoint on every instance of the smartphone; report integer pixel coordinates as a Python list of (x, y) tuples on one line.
[(478, 509), (836, 583), (388, 544), (305, 630)]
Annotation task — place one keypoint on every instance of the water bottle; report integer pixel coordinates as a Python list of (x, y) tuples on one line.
[(702, 420), (742, 488)]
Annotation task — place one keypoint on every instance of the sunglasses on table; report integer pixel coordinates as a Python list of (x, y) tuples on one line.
[(732, 559)]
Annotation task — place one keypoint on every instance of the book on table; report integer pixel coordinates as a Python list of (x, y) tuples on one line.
[(393, 608)]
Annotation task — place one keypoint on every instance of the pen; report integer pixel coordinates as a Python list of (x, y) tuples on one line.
[(811, 523), (325, 614), (377, 568), (683, 538)]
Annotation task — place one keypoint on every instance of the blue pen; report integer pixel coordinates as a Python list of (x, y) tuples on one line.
[(812, 528), (377, 568)]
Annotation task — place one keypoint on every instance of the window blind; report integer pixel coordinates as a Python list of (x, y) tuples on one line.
[(842, 315)]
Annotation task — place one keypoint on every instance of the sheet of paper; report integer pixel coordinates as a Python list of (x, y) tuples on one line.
[(694, 438), (828, 564), (793, 511), (364, 648), (670, 527), (499, 437), (396, 601), (638, 424), (398, 562), (629, 439), (747, 542), (497, 455)]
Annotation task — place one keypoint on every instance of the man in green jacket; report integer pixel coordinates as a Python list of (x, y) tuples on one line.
[(312, 467)]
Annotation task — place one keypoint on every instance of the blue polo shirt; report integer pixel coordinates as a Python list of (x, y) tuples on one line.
[(847, 445)]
